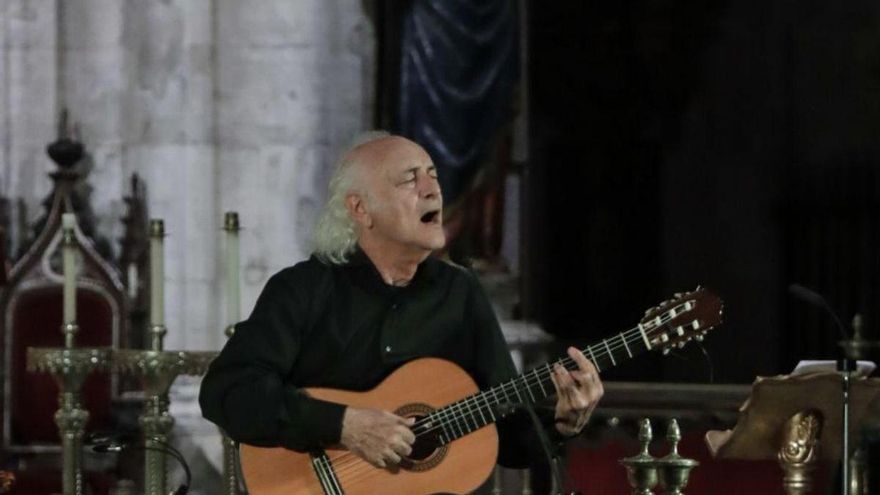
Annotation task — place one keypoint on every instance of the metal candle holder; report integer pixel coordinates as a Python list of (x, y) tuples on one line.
[(641, 471), (230, 456), (672, 471), (157, 370), (69, 367)]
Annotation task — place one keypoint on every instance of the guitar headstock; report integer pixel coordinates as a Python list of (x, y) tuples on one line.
[(687, 316)]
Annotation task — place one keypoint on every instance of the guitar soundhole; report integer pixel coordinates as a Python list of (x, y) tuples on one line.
[(426, 452)]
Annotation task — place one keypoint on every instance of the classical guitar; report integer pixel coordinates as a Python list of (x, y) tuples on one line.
[(456, 439)]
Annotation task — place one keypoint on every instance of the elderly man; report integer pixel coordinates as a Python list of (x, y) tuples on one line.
[(370, 299)]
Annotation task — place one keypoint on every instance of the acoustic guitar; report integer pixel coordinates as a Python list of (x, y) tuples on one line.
[(456, 440)]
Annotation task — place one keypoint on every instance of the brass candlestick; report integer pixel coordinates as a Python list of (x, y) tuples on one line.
[(641, 471), (69, 367), (232, 227), (673, 469), (157, 370)]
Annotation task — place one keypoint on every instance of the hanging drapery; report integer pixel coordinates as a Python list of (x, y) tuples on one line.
[(459, 65)]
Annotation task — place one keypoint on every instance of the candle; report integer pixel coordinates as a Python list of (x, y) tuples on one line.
[(132, 274), (157, 273), (233, 269), (68, 254)]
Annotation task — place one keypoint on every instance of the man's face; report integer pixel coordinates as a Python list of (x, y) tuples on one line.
[(404, 202)]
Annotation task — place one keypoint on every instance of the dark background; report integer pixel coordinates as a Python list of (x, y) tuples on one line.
[(729, 144), (675, 143)]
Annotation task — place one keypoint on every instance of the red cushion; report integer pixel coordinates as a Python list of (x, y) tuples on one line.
[(36, 322)]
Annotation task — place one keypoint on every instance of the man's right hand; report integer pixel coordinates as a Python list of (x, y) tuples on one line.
[(379, 437)]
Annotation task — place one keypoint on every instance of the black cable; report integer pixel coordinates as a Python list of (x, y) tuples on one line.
[(546, 446), (183, 488), (816, 299), (690, 361), (708, 362), (544, 440), (108, 443)]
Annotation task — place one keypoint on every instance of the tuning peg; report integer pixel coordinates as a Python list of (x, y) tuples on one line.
[(698, 337), (681, 344), (665, 351)]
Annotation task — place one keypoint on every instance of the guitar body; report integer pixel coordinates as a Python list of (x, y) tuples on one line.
[(414, 389)]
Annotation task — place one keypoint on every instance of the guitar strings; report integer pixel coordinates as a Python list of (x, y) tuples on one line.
[(532, 378), (457, 413)]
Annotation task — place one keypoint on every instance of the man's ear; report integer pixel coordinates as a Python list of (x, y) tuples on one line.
[(357, 208)]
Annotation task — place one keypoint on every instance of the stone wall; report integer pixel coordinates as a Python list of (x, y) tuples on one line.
[(218, 104)]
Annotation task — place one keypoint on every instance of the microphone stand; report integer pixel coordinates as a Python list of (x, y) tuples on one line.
[(853, 349), (845, 366)]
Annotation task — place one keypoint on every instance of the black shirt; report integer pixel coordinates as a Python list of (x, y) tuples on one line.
[(340, 326)]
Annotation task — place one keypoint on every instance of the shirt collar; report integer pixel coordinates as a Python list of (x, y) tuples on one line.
[(425, 273)]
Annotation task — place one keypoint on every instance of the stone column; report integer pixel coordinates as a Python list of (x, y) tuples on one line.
[(92, 85), (28, 106), (291, 91), (169, 136)]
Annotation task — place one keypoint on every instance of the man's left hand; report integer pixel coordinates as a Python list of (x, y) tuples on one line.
[(578, 390)]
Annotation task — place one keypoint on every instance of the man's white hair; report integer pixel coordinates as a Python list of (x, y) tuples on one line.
[(335, 236)]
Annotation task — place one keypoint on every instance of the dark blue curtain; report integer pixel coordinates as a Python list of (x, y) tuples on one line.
[(459, 66)]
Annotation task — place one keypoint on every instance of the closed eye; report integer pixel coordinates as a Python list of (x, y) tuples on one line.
[(411, 176)]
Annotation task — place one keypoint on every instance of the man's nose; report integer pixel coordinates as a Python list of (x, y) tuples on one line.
[(429, 187)]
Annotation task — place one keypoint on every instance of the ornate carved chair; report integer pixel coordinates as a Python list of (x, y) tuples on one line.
[(31, 316)]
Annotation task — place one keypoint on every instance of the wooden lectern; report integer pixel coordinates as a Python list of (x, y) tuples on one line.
[(796, 419)]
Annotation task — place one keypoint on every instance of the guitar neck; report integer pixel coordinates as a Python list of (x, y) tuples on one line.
[(474, 412)]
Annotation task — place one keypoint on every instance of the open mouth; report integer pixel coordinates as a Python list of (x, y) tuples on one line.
[(432, 216)]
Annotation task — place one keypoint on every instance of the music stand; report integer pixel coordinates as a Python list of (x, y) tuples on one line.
[(796, 419)]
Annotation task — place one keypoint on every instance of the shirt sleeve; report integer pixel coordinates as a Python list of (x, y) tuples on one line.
[(246, 391)]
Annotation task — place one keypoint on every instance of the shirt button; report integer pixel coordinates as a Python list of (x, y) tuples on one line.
[(387, 348)]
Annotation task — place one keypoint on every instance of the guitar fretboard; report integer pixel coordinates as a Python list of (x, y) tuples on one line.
[(472, 413)]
